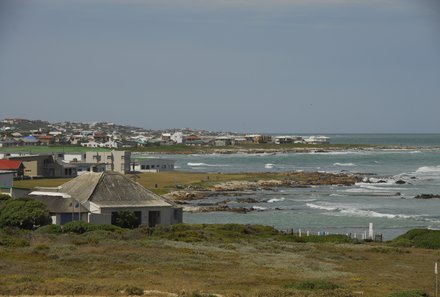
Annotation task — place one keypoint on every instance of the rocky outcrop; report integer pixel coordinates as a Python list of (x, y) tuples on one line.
[(287, 179), (427, 196)]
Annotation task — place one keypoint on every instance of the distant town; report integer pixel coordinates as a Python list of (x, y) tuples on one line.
[(106, 147), (24, 132)]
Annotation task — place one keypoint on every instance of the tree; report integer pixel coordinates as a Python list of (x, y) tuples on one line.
[(125, 219), (24, 213)]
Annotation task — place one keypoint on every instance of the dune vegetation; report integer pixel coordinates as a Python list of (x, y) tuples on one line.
[(205, 260)]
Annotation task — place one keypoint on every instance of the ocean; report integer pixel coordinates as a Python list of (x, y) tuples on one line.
[(390, 206)]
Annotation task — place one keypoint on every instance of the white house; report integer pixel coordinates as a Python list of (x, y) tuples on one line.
[(177, 137), (99, 197)]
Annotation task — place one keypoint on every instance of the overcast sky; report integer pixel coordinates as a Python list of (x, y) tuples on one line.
[(298, 66)]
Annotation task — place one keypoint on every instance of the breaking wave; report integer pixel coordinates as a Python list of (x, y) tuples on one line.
[(344, 164), (206, 165), (356, 212), (276, 200)]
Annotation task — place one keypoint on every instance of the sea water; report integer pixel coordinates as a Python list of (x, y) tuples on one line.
[(391, 207)]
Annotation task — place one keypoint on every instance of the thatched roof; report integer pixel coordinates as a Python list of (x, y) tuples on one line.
[(111, 189)]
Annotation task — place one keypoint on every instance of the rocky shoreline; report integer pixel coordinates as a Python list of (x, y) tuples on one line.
[(238, 188)]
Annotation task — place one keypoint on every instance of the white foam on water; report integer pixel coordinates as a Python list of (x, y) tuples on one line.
[(269, 166), (206, 165), (316, 206), (337, 195), (276, 200), (259, 208), (344, 164), (357, 212)]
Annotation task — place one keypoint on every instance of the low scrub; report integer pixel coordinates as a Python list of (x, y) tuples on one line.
[(315, 238), (412, 293), (421, 238), (213, 232), (80, 227), (312, 285)]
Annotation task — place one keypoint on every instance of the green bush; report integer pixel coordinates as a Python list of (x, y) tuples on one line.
[(421, 238), (126, 219), (4, 197), (24, 213), (50, 229), (213, 232), (80, 227)]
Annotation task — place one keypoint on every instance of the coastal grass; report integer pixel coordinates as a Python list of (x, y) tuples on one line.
[(231, 260)]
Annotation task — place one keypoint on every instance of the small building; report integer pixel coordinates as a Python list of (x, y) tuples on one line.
[(46, 139), (45, 166), (118, 161), (99, 197), (15, 166), (152, 165)]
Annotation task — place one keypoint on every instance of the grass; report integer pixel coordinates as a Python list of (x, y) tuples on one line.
[(203, 260)]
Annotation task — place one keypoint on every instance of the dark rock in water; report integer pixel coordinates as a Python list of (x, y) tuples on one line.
[(381, 181), (398, 194), (413, 177), (400, 182), (427, 196), (247, 200)]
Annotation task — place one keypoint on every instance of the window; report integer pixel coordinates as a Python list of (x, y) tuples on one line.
[(109, 157)]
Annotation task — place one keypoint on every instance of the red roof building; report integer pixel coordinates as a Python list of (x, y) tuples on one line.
[(12, 165)]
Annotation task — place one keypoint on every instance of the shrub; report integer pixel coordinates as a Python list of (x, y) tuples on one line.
[(50, 229), (24, 213), (126, 219), (77, 227), (80, 227), (4, 197), (312, 285), (412, 293), (134, 291)]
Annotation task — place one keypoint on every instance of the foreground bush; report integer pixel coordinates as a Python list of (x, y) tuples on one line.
[(416, 293), (213, 232), (312, 285), (421, 238), (24, 213), (80, 227)]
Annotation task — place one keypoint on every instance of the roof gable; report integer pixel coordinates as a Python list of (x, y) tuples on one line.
[(10, 164)]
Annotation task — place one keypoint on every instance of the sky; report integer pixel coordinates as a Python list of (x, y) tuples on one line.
[(291, 66)]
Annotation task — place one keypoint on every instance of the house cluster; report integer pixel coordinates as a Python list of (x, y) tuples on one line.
[(68, 165), (22, 132)]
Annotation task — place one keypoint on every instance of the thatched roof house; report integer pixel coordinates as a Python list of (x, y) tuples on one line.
[(104, 194)]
